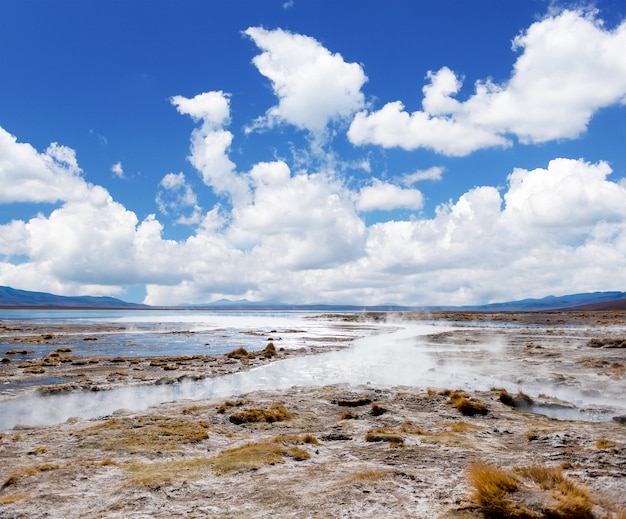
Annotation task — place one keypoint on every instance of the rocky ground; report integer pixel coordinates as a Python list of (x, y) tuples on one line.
[(334, 451)]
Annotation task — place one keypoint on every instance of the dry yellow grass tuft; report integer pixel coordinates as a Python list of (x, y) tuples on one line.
[(491, 489), (30, 471), (369, 476), (166, 471), (253, 456), (603, 443), (223, 407), (532, 492), (275, 413), (384, 434), (12, 498), (461, 401), (38, 450), (144, 433), (239, 353)]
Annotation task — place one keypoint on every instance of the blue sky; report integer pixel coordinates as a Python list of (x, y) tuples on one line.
[(451, 152)]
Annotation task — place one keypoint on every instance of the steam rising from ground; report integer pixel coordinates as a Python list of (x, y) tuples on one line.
[(403, 354)]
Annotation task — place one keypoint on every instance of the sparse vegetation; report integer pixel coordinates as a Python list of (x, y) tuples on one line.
[(607, 343), (165, 472), (528, 492), (603, 444), (461, 400), (369, 476), (252, 456), (275, 413), (385, 435), (377, 410), (38, 450), (269, 351), (348, 415), (12, 498), (30, 471), (519, 401), (239, 353), (141, 434)]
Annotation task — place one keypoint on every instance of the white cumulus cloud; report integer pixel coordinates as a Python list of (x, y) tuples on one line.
[(210, 144), (570, 67), (387, 197), (117, 170), (313, 85)]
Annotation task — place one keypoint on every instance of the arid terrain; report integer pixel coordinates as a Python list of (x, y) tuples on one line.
[(331, 451)]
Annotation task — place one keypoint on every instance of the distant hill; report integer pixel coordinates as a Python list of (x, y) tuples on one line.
[(11, 297), (585, 301)]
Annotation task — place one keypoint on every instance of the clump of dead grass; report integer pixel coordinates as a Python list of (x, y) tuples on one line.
[(269, 351), (29, 471), (12, 498), (224, 406), (618, 342), (38, 450), (384, 434), (144, 433), (253, 456), (275, 413), (603, 444), (519, 401), (239, 353), (165, 471), (532, 492), (462, 401), (348, 415), (377, 409), (368, 476)]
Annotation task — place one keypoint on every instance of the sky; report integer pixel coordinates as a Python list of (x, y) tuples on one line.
[(363, 152)]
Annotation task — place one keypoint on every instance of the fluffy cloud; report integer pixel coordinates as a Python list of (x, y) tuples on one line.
[(300, 238), (117, 170), (387, 197), (313, 85), (434, 173), (296, 233), (176, 196), (210, 143), (298, 222), (570, 67), (27, 176)]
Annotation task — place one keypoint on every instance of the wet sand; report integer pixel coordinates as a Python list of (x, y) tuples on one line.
[(333, 451)]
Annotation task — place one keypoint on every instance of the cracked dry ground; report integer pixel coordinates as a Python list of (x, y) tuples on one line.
[(335, 451)]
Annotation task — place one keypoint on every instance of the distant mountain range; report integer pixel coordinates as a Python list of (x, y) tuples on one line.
[(11, 297)]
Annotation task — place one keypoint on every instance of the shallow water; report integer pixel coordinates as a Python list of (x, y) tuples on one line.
[(391, 354), (154, 333)]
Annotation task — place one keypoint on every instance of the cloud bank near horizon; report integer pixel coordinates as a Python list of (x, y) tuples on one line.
[(299, 232)]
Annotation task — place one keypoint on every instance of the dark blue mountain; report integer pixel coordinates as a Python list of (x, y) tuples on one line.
[(11, 297)]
